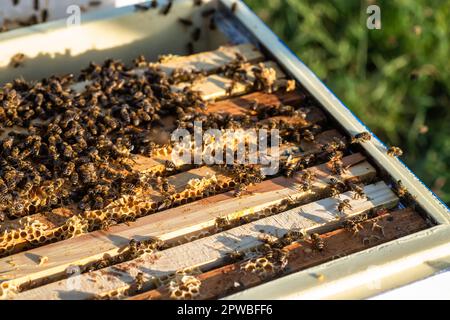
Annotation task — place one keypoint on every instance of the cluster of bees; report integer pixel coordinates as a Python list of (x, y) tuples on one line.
[(82, 142)]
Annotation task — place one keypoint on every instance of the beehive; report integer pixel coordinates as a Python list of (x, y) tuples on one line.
[(207, 231)]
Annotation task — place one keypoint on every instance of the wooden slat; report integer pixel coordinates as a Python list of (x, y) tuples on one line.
[(211, 251), (169, 225), (229, 279), (208, 61), (241, 105), (216, 86)]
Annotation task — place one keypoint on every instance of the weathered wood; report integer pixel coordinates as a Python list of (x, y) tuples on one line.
[(231, 278), (208, 61), (170, 225), (211, 252)]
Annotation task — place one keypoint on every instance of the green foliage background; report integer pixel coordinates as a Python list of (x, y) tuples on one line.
[(396, 79)]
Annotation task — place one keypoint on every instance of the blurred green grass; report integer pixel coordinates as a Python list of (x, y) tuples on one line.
[(396, 79)]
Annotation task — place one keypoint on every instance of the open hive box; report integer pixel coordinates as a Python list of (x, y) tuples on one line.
[(112, 216)]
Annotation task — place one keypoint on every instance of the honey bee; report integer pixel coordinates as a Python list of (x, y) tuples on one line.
[(43, 170), (234, 7), (36, 148), (185, 22), (17, 208), (343, 206), (27, 187), (291, 166), (17, 60), (93, 3), (133, 247), (290, 85), (221, 222), (166, 202), (308, 135), (88, 173), (336, 163), (381, 212), (164, 184), (333, 146), (277, 257), (8, 143), (107, 223), (395, 152), (139, 281), (155, 243), (231, 88), (166, 9), (74, 179), (208, 12), (375, 225), (141, 7), (269, 243), (293, 235), (68, 151), (69, 169), (351, 226), (235, 256), (361, 137), (3, 187), (308, 175), (336, 187), (170, 166), (306, 179), (336, 156), (240, 188), (44, 15), (212, 24), (401, 189), (317, 242), (358, 191)]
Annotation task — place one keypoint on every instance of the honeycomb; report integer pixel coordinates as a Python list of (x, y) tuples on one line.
[(7, 290), (260, 266), (184, 287)]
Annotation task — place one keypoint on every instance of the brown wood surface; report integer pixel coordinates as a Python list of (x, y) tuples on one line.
[(302, 255)]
